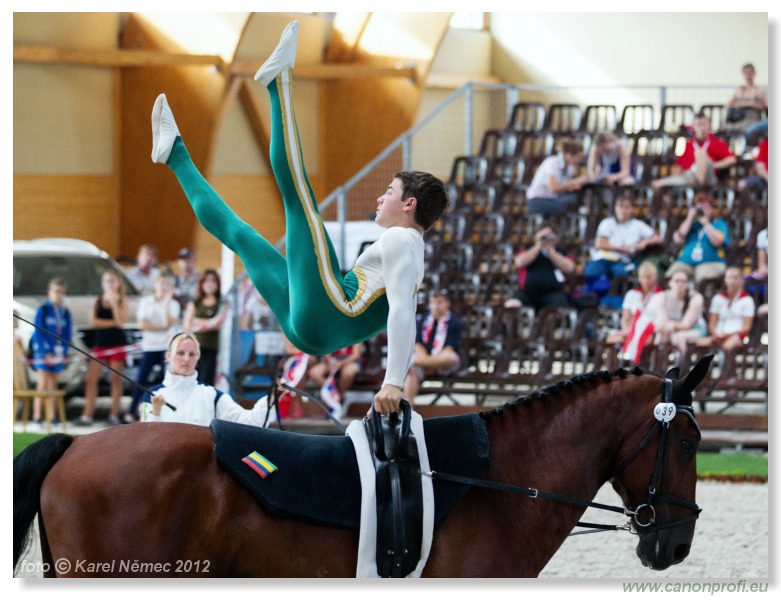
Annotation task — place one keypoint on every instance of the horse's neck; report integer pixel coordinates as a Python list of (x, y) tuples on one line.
[(573, 436)]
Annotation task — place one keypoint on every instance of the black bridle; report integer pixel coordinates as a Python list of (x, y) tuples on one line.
[(654, 497)]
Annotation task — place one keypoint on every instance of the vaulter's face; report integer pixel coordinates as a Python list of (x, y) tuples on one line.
[(390, 206)]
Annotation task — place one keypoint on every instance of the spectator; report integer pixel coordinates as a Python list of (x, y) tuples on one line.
[(204, 317), (108, 317), (757, 282), (20, 359), (679, 313), (294, 371), (142, 276), (254, 311), (609, 162), (186, 281), (759, 179), (703, 241), (761, 271), (636, 301), (195, 402), (704, 156), (542, 270), (731, 314), (618, 241), (49, 353), (334, 375), (748, 102), (436, 344), (158, 319), (555, 182)]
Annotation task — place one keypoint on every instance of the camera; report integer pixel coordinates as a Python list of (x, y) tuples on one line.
[(700, 213), (548, 238)]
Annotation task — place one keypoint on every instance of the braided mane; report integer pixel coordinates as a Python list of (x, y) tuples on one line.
[(567, 384)]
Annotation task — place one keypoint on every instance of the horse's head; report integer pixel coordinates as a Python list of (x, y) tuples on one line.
[(658, 475)]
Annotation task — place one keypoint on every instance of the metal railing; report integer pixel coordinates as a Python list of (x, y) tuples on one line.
[(455, 127)]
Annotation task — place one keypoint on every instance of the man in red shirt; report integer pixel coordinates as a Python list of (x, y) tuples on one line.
[(703, 156), (759, 179)]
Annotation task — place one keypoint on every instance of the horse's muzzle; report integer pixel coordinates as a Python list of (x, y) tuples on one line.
[(657, 552)]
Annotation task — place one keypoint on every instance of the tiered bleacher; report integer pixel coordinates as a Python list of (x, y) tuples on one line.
[(470, 251), (507, 351)]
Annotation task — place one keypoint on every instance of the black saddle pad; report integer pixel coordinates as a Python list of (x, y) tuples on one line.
[(316, 477)]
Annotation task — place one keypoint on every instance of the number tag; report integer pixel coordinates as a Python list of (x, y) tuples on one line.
[(664, 412)]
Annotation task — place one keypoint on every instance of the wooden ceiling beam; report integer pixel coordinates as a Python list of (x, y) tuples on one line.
[(153, 58), (330, 71), (112, 58)]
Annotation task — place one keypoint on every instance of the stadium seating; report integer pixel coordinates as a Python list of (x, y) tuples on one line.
[(505, 351), (470, 251)]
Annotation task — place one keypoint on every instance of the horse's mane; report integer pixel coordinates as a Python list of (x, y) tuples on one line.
[(565, 385)]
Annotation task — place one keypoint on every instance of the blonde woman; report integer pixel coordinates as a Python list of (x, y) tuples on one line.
[(196, 403), (679, 310), (731, 314), (108, 318), (158, 319), (637, 301)]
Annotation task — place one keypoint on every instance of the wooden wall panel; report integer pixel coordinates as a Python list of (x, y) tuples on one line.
[(256, 201), (154, 208), (83, 207)]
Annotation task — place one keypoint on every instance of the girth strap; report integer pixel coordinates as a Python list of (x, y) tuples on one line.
[(399, 491)]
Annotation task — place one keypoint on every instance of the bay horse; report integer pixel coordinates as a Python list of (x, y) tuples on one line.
[(153, 493)]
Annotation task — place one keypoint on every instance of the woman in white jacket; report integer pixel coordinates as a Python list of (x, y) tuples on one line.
[(195, 402)]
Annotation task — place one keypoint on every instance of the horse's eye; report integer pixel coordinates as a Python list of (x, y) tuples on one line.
[(687, 447)]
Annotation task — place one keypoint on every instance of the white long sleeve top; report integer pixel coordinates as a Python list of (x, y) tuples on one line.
[(197, 403), (395, 262)]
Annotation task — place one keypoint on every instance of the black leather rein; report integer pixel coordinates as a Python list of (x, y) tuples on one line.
[(653, 494)]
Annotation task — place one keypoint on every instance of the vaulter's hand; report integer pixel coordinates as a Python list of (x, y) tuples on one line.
[(387, 400)]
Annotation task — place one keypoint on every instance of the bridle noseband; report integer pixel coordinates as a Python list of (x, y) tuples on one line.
[(644, 515)]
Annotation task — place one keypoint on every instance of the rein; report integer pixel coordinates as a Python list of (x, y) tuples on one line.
[(97, 360), (660, 465), (535, 493), (308, 396)]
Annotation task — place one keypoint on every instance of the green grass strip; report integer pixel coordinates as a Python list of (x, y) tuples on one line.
[(715, 465), (22, 440)]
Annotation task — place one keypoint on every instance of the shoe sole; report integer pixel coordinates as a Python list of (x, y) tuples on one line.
[(158, 110), (278, 61)]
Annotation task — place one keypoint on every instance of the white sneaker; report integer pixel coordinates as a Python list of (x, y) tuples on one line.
[(164, 130), (283, 57)]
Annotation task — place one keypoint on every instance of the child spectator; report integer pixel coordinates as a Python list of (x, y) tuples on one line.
[(49, 353), (436, 345)]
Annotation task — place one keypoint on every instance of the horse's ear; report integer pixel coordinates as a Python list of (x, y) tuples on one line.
[(697, 374), (673, 373)]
